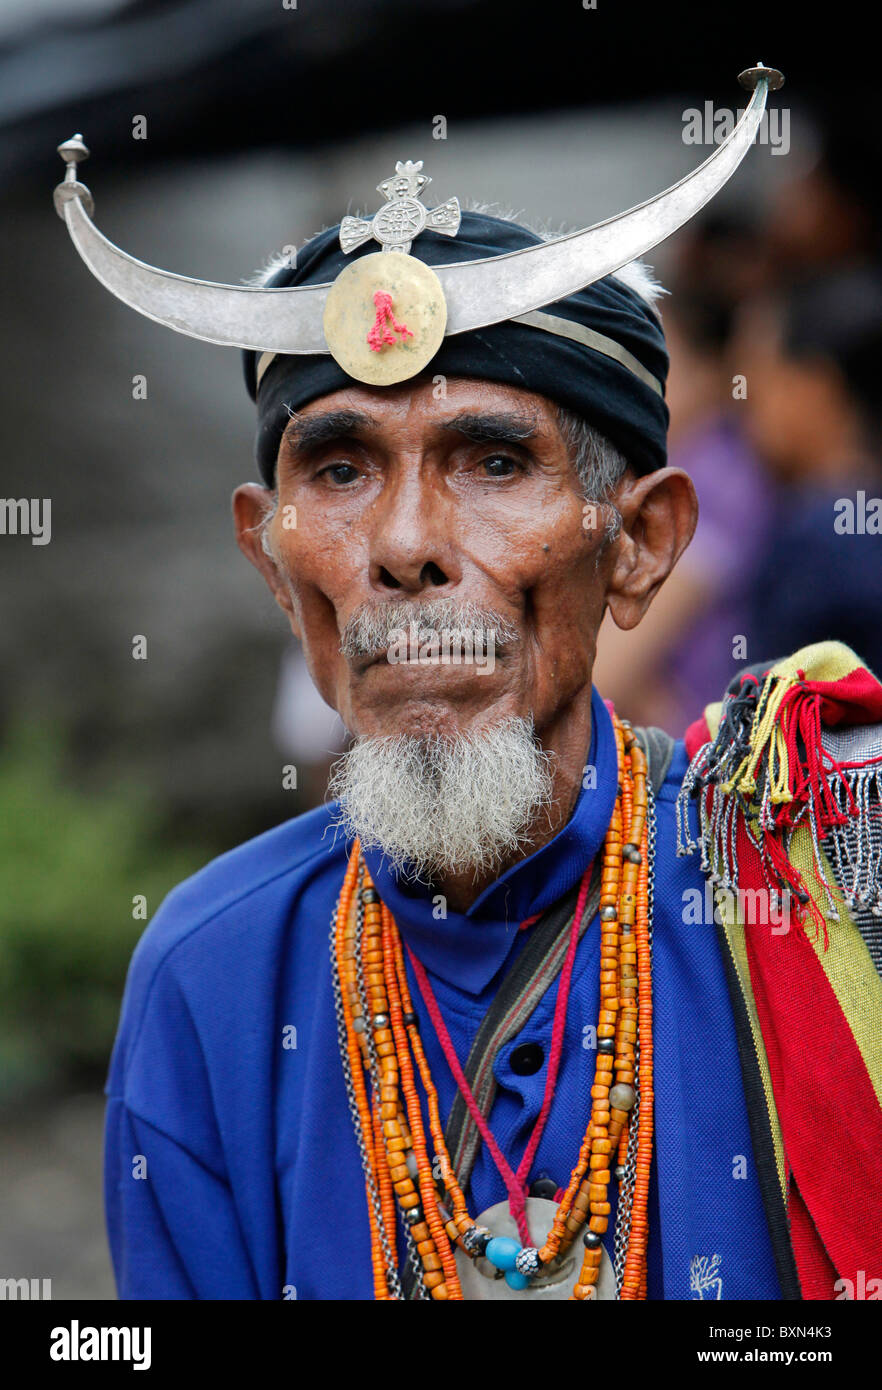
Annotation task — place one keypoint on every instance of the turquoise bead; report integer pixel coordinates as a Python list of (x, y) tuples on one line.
[(516, 1280), (502, 1252)]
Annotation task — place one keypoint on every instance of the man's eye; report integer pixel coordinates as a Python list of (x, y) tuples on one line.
[(341, 473), (500, 465)]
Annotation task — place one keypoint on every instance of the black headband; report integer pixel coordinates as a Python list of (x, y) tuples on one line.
[(600, 352)]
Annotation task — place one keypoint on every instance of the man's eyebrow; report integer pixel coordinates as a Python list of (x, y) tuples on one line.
[(496, 427), (309, 432)]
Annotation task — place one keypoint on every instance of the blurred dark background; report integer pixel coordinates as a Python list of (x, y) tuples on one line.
[(220, 131)]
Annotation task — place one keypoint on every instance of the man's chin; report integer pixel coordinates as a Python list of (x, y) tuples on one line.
[(433, 803), (420, 702)]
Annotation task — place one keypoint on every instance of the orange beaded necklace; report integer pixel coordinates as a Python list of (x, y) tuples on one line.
[(382, 1054)]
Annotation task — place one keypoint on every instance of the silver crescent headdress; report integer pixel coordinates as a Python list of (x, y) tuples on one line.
[(384, 316)]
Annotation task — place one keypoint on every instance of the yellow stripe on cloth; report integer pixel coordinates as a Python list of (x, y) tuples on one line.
[(846, 962), (822, 661)]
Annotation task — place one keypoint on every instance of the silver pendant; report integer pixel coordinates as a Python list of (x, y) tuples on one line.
[(482, 1280), (402, 217)]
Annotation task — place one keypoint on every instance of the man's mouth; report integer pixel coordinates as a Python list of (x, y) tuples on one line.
[(483, 659), (441, 634), (377, 658)]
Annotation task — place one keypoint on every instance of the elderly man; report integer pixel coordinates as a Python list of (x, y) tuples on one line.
[(484, 1026)]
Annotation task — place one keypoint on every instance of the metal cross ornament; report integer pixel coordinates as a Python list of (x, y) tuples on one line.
[(402, 217)]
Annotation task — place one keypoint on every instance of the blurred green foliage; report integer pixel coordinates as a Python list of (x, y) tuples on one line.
[(71, 862)]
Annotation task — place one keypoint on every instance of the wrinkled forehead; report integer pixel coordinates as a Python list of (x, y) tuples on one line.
[(417, 415), (428, 399)]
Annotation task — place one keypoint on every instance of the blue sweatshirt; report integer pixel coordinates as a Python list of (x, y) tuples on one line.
[(231, 1168)]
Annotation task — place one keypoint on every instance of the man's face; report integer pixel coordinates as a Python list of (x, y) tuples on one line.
[(402, 497)]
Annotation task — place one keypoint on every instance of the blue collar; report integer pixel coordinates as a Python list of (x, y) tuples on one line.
[(467, 949)]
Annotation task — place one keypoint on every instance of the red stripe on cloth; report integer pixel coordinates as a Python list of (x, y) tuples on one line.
[(817, 1276), (855, 699), (831, 1122)]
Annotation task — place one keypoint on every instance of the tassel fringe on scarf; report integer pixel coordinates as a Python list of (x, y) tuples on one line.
[(787, 772), (772, 765)]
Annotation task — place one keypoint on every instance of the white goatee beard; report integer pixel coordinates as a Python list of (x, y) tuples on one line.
[(445, 805)]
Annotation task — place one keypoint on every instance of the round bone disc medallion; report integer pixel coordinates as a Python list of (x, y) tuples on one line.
[(378, 297), (481, 1280)]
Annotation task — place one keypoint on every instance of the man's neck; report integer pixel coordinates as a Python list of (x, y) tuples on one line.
[(567, 740)]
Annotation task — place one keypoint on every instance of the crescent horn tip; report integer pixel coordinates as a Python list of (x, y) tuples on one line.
[(73, 152), (750, 77)]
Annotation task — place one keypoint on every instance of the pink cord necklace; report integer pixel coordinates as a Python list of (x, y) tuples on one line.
[(515, 1182)]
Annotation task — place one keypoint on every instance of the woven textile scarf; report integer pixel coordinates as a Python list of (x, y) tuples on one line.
[(787, 772)]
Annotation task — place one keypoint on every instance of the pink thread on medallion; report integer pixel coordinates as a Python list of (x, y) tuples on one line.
[(380, 334)]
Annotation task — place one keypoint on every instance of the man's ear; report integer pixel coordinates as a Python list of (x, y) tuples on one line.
[(252, 504), (659, 513)]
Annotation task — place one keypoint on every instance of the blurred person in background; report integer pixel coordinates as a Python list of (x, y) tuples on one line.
[(829, 216), (688, 644), (812, 356), (771, 459)]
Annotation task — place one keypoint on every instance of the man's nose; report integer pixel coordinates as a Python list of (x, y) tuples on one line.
[(413, 546)]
